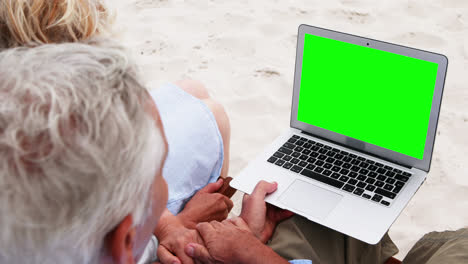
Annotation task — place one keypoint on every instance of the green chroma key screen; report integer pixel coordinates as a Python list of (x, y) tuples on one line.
[(371, 95)]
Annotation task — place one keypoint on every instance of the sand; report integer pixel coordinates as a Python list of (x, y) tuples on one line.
[(244, 52)]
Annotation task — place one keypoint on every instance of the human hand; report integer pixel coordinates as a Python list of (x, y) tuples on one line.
[(173, 236), (205, 206), (261, 217), (229, 241)]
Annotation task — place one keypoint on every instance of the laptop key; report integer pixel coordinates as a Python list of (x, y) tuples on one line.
[(319, 163), (296, 168), (330, 160), (336, 169), (335, 175), (361, 177), (397, 189), (295, 161), (296, 136), (352, 181), (366, 196), (377, 198), (299, 149), (344, 171), (292, 140), (321, 178), (346, 165), (272, 159), (353, 174), (323, 151), (327, 166), (306, 151), (364, 165), (344, 178), (355, 168), (296, 154), (397, 170), (311, 166), (381, 170), (401, 178), (318, 170), (280, 162), (314, 154), (372, 168), (407, 174), (285, 150), (372, 174), (278, 155), (358, 191), (370, 188), (370, 180), (390, 181), (388, 187), (299, 143), (385, 203), (370, 161), (303, 157), (302, 164), (385, 193), (361, 184), (379, 184), (338, 156), (289, 145), (381, 178), (390, 173), (399, 184), (378, 164), (311, 160), (388, 167), (347, 159), (338, 162), (307, 145), (348, 188), (287, 158), (327, 173), (287, 165)]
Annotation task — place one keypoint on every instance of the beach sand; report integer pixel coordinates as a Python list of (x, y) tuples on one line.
[(244, 52)]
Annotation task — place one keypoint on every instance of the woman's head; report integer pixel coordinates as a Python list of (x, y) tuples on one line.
[(24, 22)]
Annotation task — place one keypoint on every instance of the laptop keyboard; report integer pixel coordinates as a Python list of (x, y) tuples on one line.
[(352, 173)]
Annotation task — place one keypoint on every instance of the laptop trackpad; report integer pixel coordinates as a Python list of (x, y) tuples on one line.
[(310, 199)]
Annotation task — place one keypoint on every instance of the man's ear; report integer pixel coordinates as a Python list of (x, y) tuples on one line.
[(120, 241)]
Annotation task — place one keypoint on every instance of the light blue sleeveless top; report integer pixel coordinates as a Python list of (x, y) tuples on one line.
[(195, 154)]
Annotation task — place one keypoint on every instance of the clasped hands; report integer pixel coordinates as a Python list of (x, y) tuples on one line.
[(202, 234)]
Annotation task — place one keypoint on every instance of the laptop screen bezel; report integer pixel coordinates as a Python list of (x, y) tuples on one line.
[(356, 144)]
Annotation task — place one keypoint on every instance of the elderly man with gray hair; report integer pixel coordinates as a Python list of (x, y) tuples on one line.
[(82, 148)]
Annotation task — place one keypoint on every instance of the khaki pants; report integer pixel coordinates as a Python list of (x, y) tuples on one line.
[(299, 238)]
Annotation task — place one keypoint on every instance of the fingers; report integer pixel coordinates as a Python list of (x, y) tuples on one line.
[(212, 187), (229, 203), (263, 188), (165, 256), (205, 229), (198, 252)]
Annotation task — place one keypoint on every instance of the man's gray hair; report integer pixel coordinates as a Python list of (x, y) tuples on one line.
[(79, 150)]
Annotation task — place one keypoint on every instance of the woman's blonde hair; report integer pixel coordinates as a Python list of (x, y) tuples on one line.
[(24, 22)]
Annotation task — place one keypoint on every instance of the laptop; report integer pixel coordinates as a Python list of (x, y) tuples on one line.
[(363, 124)]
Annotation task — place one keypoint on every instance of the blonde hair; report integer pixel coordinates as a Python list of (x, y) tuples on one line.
[(24, 22)]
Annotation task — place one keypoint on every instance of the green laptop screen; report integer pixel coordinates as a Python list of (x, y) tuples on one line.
[(371, 95)]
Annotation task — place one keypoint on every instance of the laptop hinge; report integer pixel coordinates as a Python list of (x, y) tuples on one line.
[(360, 150)]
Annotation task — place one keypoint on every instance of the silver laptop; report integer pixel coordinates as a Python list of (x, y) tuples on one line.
[(363, 123)]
